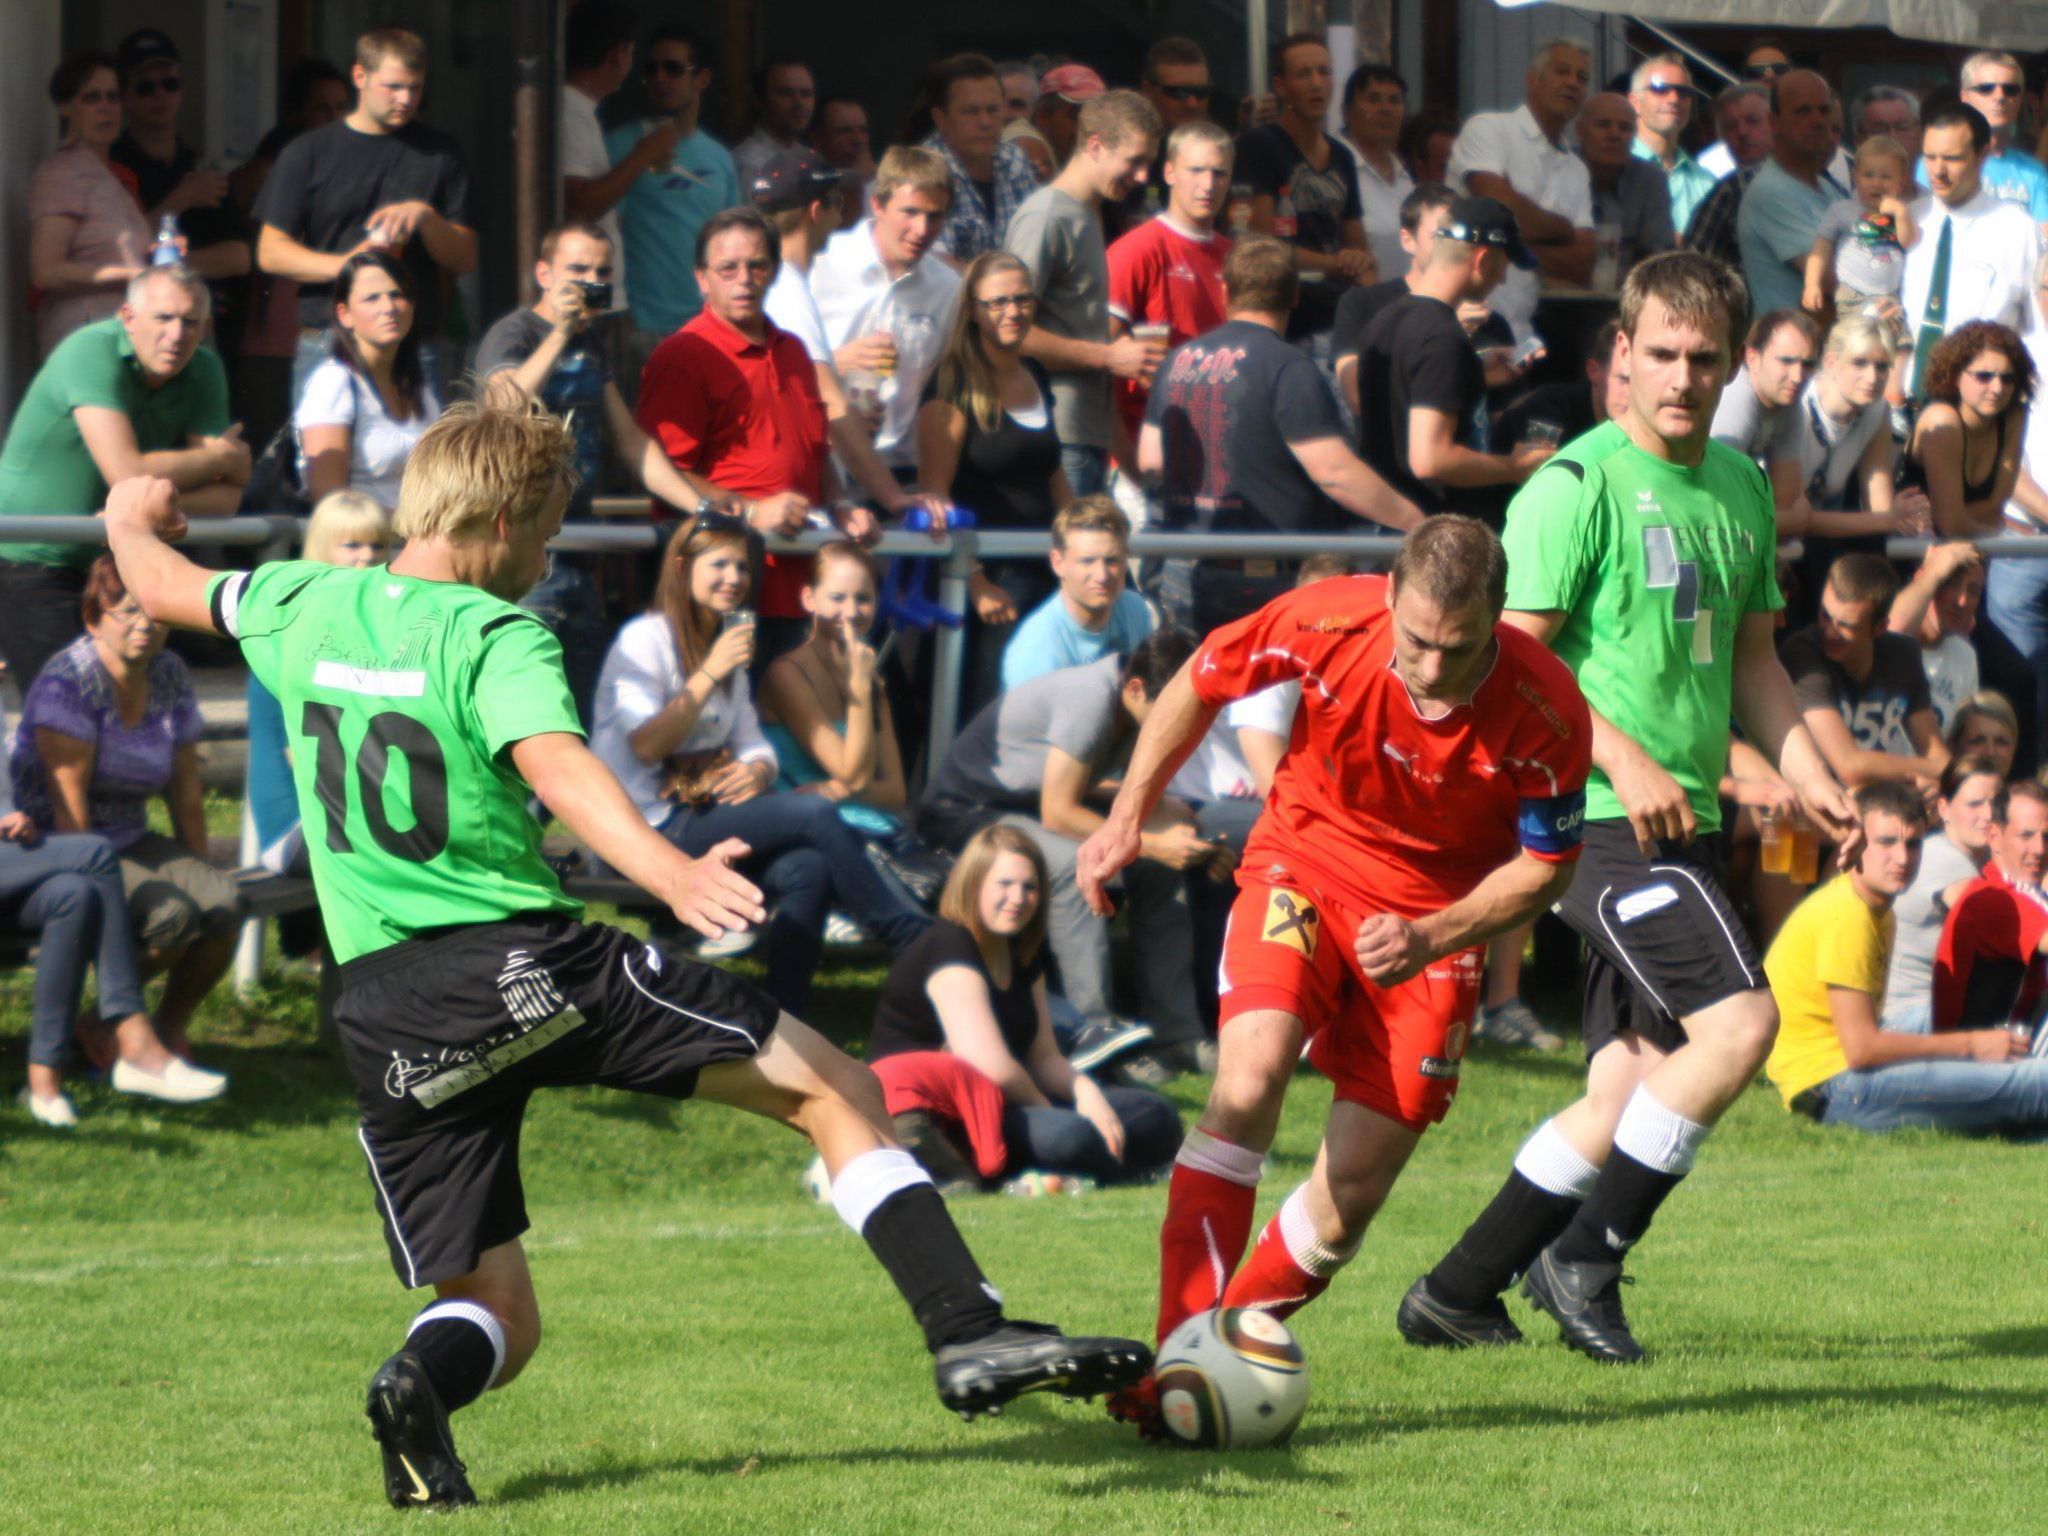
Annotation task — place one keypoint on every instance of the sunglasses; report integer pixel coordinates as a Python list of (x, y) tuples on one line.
[(672, 69), (1994, 88), (1767, 71), (718, 522), (1665, 87), (1184, 92), (1993, 375), (168, 85)]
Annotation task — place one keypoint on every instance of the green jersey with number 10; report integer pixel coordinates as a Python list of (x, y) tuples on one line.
[(1653, 565), (400, 698)]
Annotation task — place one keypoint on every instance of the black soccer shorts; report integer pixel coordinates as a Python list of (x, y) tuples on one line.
[(1665, 940), (447, 1034)]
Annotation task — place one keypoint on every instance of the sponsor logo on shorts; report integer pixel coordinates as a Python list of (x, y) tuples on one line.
[(1637, 905), (1438, 1066), (1455, 1039), (530, 993), (1291, 920), (484, 1064)]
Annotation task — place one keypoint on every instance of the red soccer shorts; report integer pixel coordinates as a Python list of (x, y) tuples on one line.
[(1395, 1050)]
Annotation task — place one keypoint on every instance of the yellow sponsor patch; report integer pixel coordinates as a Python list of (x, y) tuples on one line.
[(1292, 921)]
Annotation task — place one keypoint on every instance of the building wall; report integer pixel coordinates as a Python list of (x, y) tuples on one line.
[(30, 46)]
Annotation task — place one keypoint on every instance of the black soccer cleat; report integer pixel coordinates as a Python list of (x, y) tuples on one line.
[(982, 1374), (421, 1469), (1426, 1318), (1585, 1299)]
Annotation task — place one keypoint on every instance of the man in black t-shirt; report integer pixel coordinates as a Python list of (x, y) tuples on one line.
[(1248, 437), (1423, 423), (1305, 185), (376, 178)]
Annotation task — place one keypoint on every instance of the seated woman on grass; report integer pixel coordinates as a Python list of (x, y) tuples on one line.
[(974, 986)]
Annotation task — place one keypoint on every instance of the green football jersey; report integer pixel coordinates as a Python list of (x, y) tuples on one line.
[(400, 697), (1653, 565)]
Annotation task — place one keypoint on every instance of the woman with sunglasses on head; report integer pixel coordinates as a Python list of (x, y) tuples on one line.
[(87, 236), (986, 441), (364, 407), (675, 721), (1964, 454)]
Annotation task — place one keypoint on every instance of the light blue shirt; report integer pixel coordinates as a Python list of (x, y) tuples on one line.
[(1780, 217), (1690, 182), (1049, 640), (661, 214), (2011, 176)]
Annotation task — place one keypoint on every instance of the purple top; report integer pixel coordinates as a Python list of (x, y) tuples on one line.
[(74, 696)]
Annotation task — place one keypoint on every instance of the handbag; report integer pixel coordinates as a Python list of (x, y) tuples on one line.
[(274, 477), (686, 778), (920, 870)]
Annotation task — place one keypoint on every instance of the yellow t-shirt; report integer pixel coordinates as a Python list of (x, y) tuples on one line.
[(1832, 939)]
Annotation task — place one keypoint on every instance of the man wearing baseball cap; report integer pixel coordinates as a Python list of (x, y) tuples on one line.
[(168, 176), (1422, 388), (1062, 91)]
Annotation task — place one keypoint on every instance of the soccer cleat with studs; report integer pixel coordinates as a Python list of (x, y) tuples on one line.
[(1585, 1300), (421, 1469), (981, 1375), (1426, 1318)]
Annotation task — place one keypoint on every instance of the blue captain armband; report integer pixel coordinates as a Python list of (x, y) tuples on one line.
[(1552, 827)]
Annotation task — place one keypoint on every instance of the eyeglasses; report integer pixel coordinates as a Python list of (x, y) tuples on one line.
[(1994, 88), (1766, 71), (718, 522), (731, 271), (130, 615), (1003, 301), (1989, 376), (672, 68), (1184, 92), (1665, 87), (169, 85)]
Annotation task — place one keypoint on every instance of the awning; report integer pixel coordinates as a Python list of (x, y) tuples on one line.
[(2013, 24)]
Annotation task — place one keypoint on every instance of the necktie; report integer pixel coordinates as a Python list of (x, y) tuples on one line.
[(1933, 322)]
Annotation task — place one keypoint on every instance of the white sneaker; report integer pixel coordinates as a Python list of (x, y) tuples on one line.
[(55, 1111), (178, 1083), (842, 932)]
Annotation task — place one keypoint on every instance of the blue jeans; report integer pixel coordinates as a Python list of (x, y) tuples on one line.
[(1059, 1139), (1949, 1094), (2016, 600), (807, 862), (68, 889), (1087, 468)]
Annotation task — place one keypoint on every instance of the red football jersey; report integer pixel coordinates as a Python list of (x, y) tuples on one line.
[(1375, 805), (1158, 275)]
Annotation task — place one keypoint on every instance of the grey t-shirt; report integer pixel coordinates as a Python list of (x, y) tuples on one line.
[(1919, 915), (1879, 706), (1060, 240), (1868, 257), (1753, 429), (999, 760), (1830, 450)]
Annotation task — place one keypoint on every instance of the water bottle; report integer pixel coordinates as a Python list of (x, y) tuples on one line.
[(1285, 224), (165, 252)]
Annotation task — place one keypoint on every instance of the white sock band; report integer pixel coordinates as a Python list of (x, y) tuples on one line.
[(870, 1179), (467, 1312), (1225, 1159), (1552, 1163), (1657, 1137), (1298, 1232)]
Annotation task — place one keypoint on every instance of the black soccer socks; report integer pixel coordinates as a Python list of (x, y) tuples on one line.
[(1539, 1199), (889, 1200), (462, 1348), (1654, 1148)]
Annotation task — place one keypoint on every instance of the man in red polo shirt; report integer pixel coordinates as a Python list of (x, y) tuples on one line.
[(733, 400), (1991, 969), (1169, 270)]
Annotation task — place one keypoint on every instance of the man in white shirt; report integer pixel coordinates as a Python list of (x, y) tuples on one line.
[(1939, 608), (1520, 159), (598, 56), (1976, 253), (887, 300), (785, 96), (800, 196), (1375, 108)]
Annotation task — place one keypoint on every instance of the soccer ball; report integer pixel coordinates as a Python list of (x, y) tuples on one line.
[(1231, 1379)]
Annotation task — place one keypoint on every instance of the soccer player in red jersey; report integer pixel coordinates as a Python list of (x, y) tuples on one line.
[(1430, 798)]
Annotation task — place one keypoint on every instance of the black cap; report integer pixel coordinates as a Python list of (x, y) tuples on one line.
[(795, 180), (147, 46), (1484, 221)]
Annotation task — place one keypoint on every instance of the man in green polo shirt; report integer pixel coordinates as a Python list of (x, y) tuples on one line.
[(134, 395)]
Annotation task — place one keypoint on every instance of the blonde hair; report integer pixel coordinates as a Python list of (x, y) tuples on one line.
[(482, 460), (1090, 514), (1882, 146), (1856, 331), (966, 376), (340, 517), (1117, 117), (960, 902), (910, 165)]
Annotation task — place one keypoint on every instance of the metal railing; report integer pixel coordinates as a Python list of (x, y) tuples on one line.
[(279, 536)]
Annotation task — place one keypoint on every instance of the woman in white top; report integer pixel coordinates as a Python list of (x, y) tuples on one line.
[(87, 236), (675, 721), (1949, 860), (364, 407), (1845, 442)]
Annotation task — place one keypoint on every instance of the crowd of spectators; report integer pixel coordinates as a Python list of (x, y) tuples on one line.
[(1052, 304)]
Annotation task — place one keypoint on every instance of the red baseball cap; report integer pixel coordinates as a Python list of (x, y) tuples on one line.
[(1074, 83)]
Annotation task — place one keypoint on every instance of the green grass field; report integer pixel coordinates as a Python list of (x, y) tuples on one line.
[(1847, 1334)]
